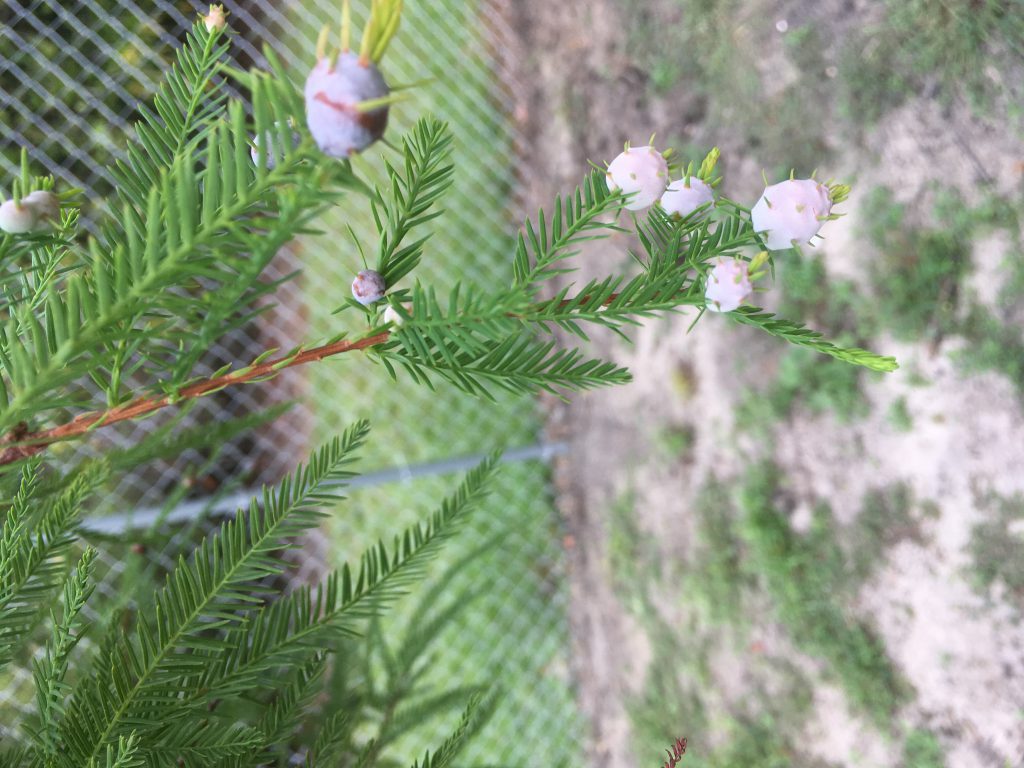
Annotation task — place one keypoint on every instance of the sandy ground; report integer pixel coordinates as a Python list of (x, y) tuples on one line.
[(964, 659)]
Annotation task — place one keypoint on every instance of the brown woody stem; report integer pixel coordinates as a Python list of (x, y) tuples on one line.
[(22, 444)]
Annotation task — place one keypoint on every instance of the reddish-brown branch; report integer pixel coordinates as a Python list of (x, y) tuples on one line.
[(23, 444)]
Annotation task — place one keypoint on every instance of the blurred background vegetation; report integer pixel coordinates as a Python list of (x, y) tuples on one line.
[(837, 84)]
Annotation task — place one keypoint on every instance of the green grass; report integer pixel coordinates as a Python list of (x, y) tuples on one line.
[(705, 52), (807, 290), (995, 339), (806, 381), (947, 46), (682, 693), (747, 566), (994, 345), (704, 57), (717, 575), (899, 416), (995, 550), (631, 553), (806, 578), (918, 274), (810, 383), (885, 518), (675, 442), (681, 697), (921, 749), (764, 739), (120, 52)]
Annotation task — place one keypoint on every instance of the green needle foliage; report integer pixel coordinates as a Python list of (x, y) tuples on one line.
[(216, 666), (795, 333)]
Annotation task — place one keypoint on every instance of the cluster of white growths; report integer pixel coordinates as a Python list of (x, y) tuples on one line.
[(787, 215), (347, 102)]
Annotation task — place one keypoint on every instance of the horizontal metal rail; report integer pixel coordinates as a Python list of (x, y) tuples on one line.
[(218, 507)]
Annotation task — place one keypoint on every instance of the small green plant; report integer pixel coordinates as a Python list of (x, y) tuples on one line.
[(804, 381), (899, 415), (994, 548), (918, 273), (676, 442), (994, 345), (803, 580), (885, 518), (996, 342), (746, 557), (952, 46), (717, 575), (759, 730), (700, 55), (921, 749), (630, 552)]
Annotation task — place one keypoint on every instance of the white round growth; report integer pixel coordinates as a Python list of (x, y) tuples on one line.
[(685, 196), (18, 218), (216, 19), (728, 285), (368, 287), (45, 203), (296, 139), (393, 316), (791, 212), (640, 172), (334, 90)]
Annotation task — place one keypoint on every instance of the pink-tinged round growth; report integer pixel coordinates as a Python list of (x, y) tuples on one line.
[(333, 94), (685, 196), (728, 285), (368, 287), (791, 212), (45, 203), (18, 218), (640, 172), (216, 19)]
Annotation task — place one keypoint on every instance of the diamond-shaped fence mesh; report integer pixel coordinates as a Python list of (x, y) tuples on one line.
[(72, 77)]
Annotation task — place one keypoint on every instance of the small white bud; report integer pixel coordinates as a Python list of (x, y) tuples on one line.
[(271, 151), (368, 287), (18, 218), (45, 203), (728, 285), (393, 316), (685, 196), (791, 212), (641, 172), (216, 19)]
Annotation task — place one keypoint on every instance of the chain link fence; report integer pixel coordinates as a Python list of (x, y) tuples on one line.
[(73, 75)]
